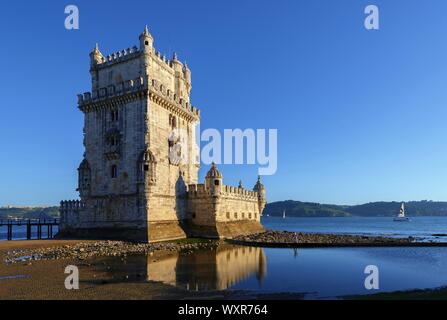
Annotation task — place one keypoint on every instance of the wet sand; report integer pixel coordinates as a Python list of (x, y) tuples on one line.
[(41, 280)]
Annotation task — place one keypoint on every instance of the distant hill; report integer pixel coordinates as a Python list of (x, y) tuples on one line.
[(305, 209), (29, 213), (293, 209), (373, 209)]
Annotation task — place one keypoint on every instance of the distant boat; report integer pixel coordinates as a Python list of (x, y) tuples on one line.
[(284, 214), (401, 216)]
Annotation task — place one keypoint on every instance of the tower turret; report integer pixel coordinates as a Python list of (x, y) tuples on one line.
[(260, 189), (146, 41), (187, 76), (213, 179), (176, 64), (96, 56), (84, 179)]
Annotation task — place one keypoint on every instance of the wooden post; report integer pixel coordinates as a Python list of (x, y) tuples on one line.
[(9, 231), (28, 230)]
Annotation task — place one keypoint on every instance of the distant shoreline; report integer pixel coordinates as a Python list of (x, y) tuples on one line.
[(294, 208)]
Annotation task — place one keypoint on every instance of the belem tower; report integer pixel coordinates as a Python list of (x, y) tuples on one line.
[(130, 185)]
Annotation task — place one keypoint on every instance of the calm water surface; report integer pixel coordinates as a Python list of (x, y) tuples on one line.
[(314, 273)]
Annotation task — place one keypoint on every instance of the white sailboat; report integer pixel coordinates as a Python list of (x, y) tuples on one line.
[(284, 214), (401, 216)]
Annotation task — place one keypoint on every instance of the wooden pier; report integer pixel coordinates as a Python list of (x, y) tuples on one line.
[(39, 224)]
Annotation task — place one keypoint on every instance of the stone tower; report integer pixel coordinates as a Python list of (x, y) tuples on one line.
[(141, 160), (127, 181)]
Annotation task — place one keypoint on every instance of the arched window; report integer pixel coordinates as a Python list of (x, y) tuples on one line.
[(174, 122), (113, 137), (113, 171), (114, 115)]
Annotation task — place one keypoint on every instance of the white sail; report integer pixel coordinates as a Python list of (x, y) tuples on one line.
[(284, 214), (401, 216), (402, 211)]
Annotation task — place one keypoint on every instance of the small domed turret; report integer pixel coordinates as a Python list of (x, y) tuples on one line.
[(187, 73), (176, 64), (96, 56), (260, 189), (213, 179), (84, 178), (146, 40), (187, 76), (214, 172)]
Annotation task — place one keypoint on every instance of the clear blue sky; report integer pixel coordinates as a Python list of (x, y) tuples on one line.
[(361, 114)]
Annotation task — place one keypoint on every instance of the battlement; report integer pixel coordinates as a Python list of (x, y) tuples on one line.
[(100, 61), (170, 63), (71, 205), (161, 90), (117, 57), (69, 211), (198, 190), (158, 93), (111, 91)]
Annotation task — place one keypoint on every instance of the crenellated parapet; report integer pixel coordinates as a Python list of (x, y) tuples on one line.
[(237, 191), (71, 205), (105, 93), (69, 211), (116, 57), (136, 88), (160, 94), (100, 61), (200, 190)]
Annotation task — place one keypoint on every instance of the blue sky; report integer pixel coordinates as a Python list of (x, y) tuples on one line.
[(361, 115)]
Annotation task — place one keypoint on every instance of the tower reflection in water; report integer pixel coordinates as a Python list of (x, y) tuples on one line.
[(215, 269)]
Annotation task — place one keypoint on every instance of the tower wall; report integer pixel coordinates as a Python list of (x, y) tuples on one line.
[(223, 213)]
